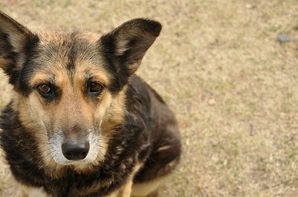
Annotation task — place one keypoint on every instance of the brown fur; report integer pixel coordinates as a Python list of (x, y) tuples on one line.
[(132, 134)]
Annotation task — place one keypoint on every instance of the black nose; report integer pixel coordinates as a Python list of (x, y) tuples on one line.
[(75, 150)]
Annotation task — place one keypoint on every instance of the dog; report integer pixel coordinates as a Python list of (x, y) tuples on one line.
[(81, 122)]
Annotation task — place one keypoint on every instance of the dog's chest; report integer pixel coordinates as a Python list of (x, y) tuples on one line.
[(101, 180)]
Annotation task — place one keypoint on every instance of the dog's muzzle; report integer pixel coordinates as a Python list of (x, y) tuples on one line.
[(74, 151)]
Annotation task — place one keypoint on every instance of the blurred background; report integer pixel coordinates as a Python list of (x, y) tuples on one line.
[(227, 68)]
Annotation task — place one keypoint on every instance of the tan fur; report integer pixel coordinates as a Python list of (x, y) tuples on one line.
[(145, 189), (19, 37), (71, 109), (78, 125), (115, 115), (37, 128), (126, 190), (33, 192), (163, 148), (55, 36)]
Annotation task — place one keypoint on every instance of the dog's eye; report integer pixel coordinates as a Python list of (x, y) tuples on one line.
[(95, 87), (44, 89)]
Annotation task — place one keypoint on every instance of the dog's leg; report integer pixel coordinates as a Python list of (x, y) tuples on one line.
[(33, 192), (126, 190), (147, 189), (161, 162)]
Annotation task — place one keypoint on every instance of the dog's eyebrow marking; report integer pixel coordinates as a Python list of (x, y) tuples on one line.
[(96, 75), (88, 75), (43, 78)]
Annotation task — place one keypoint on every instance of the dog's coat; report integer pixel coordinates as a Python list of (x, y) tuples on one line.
[(81, 123)]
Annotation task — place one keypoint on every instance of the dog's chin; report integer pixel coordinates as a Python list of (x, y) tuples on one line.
[(63, 161)]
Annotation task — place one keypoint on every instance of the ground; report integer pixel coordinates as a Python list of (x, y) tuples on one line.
[(220, 67)]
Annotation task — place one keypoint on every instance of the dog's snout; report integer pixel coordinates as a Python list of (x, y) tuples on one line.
[(75, 150)]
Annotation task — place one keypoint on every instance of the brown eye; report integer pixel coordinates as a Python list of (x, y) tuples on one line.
[(44, 88), (47, 91), (95, 87)]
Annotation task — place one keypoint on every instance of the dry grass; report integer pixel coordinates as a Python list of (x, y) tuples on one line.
[(218, 64)]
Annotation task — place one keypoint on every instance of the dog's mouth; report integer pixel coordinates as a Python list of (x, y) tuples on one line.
[(75, 151)]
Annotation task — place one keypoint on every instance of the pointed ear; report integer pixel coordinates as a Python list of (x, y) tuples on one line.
[(126, 45), (14, 42)]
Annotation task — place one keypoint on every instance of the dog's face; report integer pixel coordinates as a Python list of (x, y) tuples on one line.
[(67, 89), (70, 88)]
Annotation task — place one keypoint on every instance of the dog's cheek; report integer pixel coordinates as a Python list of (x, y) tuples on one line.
[(33, 113), (114, 112), (101, 110)]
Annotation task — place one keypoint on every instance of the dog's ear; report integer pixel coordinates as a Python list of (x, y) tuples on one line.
[(126, 45), (14, 42)]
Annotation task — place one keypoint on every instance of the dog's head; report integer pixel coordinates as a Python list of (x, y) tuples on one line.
[(70, 87)]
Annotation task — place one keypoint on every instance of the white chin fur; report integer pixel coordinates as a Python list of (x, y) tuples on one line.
[(55, 143)]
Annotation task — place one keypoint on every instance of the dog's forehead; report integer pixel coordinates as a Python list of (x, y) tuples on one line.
[(68, 45), (67, 54), (69, 50), (59, 37)]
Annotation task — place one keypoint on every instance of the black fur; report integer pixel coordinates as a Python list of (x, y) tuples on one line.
[(6, 52), (30, 54), (148, 135), (139, 35), (117, 68), (136, 135)]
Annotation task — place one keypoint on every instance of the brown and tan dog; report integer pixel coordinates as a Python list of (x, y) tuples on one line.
[(81, 123)]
